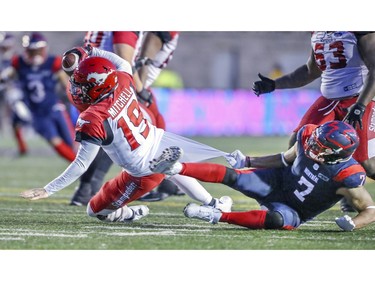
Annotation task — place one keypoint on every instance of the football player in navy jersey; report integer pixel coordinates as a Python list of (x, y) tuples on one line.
[(11, 93), (345, 62), (292, 187), (38, 74)]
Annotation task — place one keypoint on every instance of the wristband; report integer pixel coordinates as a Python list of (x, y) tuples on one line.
[(283, 160)]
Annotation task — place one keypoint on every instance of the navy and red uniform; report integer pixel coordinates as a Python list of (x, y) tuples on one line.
[(298, 192), (39, 87)]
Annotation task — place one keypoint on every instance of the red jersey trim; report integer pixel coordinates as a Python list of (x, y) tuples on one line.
[(351, 170)]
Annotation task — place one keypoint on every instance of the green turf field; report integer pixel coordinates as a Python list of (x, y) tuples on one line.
[(53, 224)]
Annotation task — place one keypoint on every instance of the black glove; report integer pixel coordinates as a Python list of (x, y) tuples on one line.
[(145, 97), (355, 115), (82, 52), (264, 86)]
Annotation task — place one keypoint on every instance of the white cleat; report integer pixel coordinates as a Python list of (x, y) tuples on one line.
[(165, 163), (139, 212), (224, 204), (205, 213)]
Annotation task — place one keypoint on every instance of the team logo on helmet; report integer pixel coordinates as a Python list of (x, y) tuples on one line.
[(98, 78)]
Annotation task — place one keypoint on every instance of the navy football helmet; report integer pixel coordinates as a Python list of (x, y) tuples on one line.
[(35, 46), (332, 142)]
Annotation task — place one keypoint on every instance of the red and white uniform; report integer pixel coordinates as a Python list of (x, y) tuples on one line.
[(343, 77), (343, 71), (118, 125)]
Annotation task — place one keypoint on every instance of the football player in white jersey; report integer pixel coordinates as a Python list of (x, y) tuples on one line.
[(113, 121), (345, 62)]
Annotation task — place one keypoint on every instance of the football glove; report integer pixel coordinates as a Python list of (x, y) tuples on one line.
[(145, 97), (82, 52), (345, 223), (237, 160), (264, 86), (141, 62), (355, 115)]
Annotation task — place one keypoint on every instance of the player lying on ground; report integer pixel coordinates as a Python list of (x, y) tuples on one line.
[(292, 187)]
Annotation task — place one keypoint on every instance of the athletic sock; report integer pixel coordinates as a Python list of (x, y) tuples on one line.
[(207, 172), (22, 148), (65, 151), (252, 219)]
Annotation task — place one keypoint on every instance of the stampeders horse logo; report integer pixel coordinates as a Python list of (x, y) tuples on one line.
[(98, 78), (81, 122)]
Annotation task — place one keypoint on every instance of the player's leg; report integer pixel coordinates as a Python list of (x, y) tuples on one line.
[(279, 216), (110, 203), (365, 153), (321, 111), (46, 127)]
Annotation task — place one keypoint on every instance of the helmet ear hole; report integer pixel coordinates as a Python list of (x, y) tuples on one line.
[(97, 78), (332, 143)]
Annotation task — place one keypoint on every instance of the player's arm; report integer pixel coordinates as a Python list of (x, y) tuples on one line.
[(151, 45), (366, 48), (85, 155), (126, 52), (238, 160), (120, 63), (302, 76), (361, 200), (8, 73)]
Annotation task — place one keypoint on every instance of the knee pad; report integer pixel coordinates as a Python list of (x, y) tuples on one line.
[(274, 220), (230, 177)]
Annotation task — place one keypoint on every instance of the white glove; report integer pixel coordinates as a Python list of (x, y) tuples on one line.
[(236, 159), (345, 223)]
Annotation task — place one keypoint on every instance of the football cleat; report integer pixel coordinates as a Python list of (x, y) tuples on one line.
[(139, 212), (224, 204), (165, 163), (205, 213)]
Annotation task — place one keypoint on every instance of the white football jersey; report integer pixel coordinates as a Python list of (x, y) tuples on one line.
[(117, 124), (343, 71)]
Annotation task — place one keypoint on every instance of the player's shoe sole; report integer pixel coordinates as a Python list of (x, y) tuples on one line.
[(164, 163)]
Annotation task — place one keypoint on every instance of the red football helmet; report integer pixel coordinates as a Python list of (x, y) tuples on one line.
[(35, 48), (332, 142), (96, 78)]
